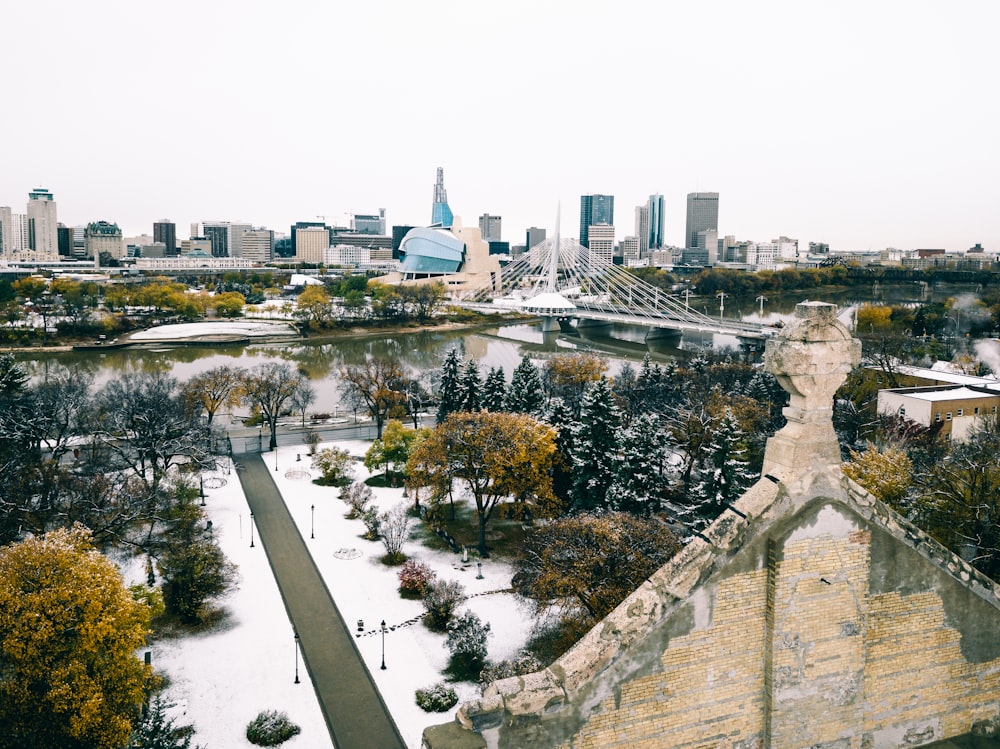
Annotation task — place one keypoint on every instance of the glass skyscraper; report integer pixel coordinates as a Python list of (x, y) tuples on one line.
[(595, 210), (441, 213)]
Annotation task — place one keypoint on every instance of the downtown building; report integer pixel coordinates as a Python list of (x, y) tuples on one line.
[(595, 210), (33, 235), (702, 216)]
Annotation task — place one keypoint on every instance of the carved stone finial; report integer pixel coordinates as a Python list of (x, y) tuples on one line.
[(811, 359)]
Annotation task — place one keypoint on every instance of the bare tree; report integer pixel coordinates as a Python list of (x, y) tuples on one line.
[(378, 384), (394, 529), (303, 398), (271, 388)]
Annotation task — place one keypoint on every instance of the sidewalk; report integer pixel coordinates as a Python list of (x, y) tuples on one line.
[(353, 708)]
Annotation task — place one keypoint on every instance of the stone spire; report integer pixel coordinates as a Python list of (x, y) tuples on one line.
[(811, 359)]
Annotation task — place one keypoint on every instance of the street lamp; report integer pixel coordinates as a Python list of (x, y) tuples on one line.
[(479, 567), (312, 521), (722, 302), (687, 295), (383, 644), (251, 529), (762, 299), (275, 457), (296, 657)]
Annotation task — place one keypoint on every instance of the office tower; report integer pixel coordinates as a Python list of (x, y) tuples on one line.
[(304, 225), (79, 242), (532, 237), (311, 243), (43, 235), (595, 210), (258, 245), (236, 232), (65, 240), (218, 233), (489, 227), (602, 245), (641, 229), (370, 223), (655, 208), (630, 249), (104, 238), (702, 215), (441, 213), (195, 231), (165, 231), (6, 230)]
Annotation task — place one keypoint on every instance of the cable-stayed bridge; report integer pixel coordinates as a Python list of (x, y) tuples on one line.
[(564, 282)]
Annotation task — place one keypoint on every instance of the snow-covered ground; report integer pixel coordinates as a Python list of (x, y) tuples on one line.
[(220, 681), (252, 328)]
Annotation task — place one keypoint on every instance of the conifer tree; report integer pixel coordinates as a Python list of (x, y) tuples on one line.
[(494, 390), (470, 388), (645, 471), (596, 448), (448, 390), (725, 472), (526, 394)]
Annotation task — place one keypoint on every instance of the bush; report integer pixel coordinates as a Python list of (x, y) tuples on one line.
[(357, 496), (155, 730), (467, 644), (440, 601), (335, 465), (271, 728), (371, 519), (523, 663), (414, 577), (394, 528), (436, 699)]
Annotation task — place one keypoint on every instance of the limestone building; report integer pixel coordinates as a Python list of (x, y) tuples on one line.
[(807, 616)]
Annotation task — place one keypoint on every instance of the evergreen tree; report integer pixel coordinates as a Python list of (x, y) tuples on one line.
[(470, 388), (157, 731), (448, 390), (644, 474), (494, 390), (560, 418), (725, 472), (526, 394), (596, 448)]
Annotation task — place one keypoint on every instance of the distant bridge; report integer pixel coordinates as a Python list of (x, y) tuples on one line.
[(564, 282)]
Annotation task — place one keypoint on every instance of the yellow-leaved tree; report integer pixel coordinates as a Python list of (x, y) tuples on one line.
[(69, 630), (495, 456), (886, 473)]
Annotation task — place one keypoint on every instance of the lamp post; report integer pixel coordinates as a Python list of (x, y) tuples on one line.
[(383, 645), (312, 521), (201, 487), (251, 529), (762, 299), (296, 657), (722, 302), (479, 573), (687, 295), (276, 456)]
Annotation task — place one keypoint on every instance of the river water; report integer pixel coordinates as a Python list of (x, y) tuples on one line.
[(424, 351)]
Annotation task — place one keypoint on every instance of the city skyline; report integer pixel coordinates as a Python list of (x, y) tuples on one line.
[(859, 125)]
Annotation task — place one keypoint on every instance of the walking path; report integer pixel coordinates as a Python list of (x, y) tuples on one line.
[(354, 711)]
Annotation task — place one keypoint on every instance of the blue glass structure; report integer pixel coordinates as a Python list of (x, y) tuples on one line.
[(441, 214), (431, 251)]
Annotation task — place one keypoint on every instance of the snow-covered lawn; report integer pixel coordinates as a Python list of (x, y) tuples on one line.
[(223, 679), (252, 328)]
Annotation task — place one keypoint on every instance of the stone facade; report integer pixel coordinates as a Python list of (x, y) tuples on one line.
[(809, 615)]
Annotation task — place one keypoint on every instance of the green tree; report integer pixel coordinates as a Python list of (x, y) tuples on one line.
[(470, 387), (229, 304), (596, 448), (494, 390), (526, 394), (315, 307), (69, 631), (391, 450), (449, 400), (725, 472)]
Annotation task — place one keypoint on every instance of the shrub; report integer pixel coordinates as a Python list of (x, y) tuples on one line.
[(271, 728), (467, 643), (334, 464), (440, 601), (414, 577), (357, 496), (436, 699), (312, 440), (521, 664), (370, 518), (154, 730), (394, 528)]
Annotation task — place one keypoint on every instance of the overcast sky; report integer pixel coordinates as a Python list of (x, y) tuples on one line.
[(861, 124)]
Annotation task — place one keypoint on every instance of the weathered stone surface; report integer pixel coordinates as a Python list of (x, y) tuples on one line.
[(811, 616)]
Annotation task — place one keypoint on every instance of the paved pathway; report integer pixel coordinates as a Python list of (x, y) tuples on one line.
[(353, 708)]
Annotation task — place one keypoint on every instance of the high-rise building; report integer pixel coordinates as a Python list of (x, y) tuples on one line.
[(6, 230), (258, 245), (441, 213), (655, 207), (236, 232), (641, 230), (218, 233), (489, 227), (533, 236), (595, 210), (65, 234), (369, 223), (702, 215), (602, 245), (43, 234), (304, 225), (630, 250), (104, 238), (165, 231), (311, 243)]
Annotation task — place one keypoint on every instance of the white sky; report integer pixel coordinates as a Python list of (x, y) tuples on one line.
[(862, 124)]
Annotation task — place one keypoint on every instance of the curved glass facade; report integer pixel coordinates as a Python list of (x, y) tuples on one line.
[(431, 251)]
